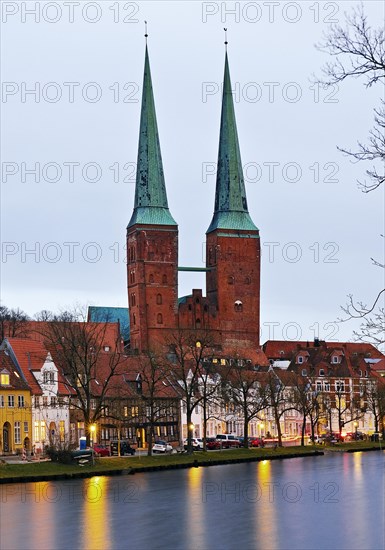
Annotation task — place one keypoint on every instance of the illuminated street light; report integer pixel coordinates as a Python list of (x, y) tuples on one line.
[(92, 432)]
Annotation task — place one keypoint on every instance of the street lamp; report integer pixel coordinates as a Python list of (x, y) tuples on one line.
[(92, 431)]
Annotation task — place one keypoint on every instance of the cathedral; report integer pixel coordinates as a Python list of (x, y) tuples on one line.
[(230, 311)]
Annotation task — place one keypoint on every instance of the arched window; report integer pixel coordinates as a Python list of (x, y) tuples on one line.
[(230, 280), (248, 280), (159, 299), (238, 306), (134, 319), (159, 319)]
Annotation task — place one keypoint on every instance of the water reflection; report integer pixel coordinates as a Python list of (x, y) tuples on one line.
[(96, 525), (195, 524), (334, 501)]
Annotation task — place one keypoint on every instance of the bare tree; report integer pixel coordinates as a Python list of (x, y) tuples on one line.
[(89, 365), (359, 51), (13, 323), (243, 388), (276, 394), (186, 370), (374, 395)]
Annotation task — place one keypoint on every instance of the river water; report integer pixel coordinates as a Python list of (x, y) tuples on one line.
[(334, 501)]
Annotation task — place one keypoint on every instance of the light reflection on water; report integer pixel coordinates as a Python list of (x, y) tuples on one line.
[(334, 501)]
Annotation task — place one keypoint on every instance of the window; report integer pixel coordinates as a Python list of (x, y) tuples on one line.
[(4, 378), (340, 386), (238, 306), (93, 404), (327, 386), (125, 411), (134, 319), (17, 433), (151, 278), (20, 401), (132, 277), (230, 280), (319, 386), (248, 280), (42, 430), (335, 359), (107, 348), (321, 372), (53, 401), (48, 377), (134, 411), (198, 324), (300, 359), (61, 430), (159, 319), (159, 299), (45, 401), (1, 401), (11, 401), (304, 372), (25, 427)]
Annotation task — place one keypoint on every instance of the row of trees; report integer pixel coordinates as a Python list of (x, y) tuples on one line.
[(186, 367)]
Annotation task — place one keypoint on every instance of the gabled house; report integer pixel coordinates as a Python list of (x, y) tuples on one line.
[(15, 408), (50, 392)]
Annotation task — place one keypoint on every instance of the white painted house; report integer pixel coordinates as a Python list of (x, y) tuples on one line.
[(50, 393)]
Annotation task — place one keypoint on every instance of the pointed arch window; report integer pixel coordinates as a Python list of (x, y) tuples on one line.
[(238, 306), (159, 300)]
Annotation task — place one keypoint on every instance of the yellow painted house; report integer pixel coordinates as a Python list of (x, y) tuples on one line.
[(15, 409)]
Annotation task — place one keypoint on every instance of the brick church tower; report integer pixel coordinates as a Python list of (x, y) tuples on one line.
[(152, 238), (233, 243), (230, 311)]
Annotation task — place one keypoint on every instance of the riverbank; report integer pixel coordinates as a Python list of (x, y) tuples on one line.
[(46, 471), (115, 466)]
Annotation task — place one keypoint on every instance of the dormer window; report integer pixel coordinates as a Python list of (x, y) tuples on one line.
[(299, 359), (335, 359), (49, 377), (4, 378), (304, 372), (321, 372)]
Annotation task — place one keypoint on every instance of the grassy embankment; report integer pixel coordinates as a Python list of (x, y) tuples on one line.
[(126, 465)]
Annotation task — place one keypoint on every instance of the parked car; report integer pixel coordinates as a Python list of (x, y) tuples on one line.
[(354, 436), (228, 440), (212, 444), (161, 447), (101, 450), (125, 448), (197, 443), (257, 442)]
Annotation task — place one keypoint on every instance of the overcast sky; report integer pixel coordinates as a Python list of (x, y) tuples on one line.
[(85, 61)]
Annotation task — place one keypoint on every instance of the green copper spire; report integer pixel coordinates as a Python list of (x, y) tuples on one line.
[(151, 205), (230, 195)]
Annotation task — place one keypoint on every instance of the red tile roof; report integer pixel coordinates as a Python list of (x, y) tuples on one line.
[(31, 356)]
